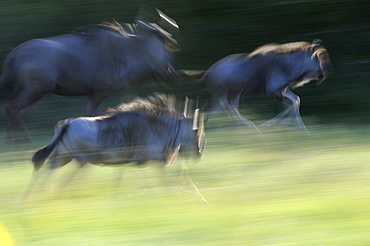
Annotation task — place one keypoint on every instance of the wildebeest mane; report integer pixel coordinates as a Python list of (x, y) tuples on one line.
[(129, 29), (92, 29), (156, 105), (280, 49)]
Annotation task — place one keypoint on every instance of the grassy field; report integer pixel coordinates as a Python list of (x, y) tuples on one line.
[(277, 188)]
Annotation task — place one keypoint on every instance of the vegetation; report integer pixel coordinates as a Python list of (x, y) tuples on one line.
[(271, 189)]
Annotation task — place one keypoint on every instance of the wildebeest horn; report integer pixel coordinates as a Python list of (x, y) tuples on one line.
[(151, 27), (167, 23), (153, 19), (156, 30), (186, 106), (195, 120), (317, 41)]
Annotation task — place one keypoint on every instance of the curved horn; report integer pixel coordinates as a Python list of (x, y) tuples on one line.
[(186, 106), (153, 15), (317, 41), (195, 120), (167, 22), (151, 27), (156, 30)]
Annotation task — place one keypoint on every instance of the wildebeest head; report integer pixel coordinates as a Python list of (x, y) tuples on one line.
[(323, 58), (158, 24), (161, 31)]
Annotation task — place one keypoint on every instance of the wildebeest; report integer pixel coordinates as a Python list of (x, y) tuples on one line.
[(272, 69), (136, 132), (93, 61)]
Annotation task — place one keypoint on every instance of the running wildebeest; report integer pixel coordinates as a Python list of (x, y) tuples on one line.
[(272, 69), (136, 132), (93, 61)]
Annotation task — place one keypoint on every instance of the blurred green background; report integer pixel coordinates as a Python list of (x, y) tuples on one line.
[(210, 30), (278, 188)]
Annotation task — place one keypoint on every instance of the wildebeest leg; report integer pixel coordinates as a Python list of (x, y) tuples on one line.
[(69, 178), (172, 156), (232, 103), (16, 129), (118, 177), (187, 179), (94, 101), (45, 175), (34, 177), (294, 113), (280, 116), (56, 160), (291, 102), (216, 108), (170, 159)]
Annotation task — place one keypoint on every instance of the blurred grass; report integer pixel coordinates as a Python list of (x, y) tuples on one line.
[(278, 188)]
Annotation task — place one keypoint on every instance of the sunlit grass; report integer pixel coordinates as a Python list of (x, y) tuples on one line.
[(278, 188)]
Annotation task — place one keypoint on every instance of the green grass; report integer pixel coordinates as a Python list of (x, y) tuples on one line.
[(278, 188)]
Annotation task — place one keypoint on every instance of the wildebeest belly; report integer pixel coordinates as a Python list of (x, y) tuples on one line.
[(67, 91), (123, 155)]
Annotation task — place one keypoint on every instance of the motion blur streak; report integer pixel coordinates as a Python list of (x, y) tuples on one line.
[(278, 188)]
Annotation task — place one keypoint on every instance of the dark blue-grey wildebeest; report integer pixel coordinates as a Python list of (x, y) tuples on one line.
[(137, 132), (93, 61), (270, 69)]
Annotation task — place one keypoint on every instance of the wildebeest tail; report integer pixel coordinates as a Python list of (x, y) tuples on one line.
[(43, 153)]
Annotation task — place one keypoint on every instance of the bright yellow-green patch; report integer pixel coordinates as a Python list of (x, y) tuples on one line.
[(274, 189)]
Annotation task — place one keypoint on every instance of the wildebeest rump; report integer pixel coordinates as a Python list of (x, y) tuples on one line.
[(143, 130), (92, 61), (270, 69)]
